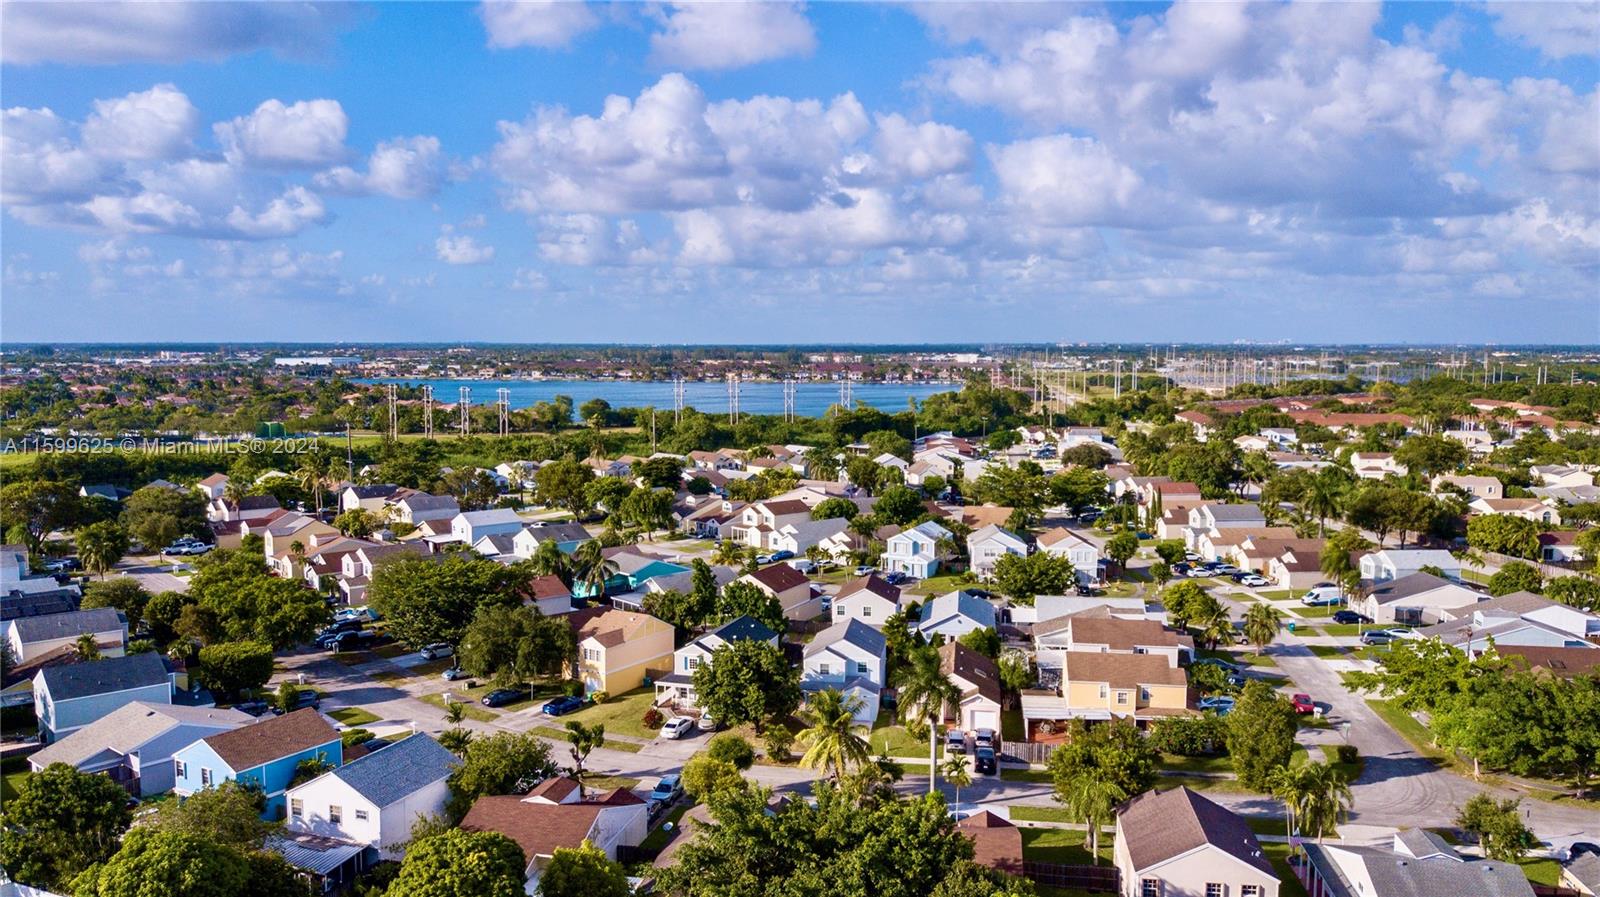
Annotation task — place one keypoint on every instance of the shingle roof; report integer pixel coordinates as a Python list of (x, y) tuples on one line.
[(1121, 635), (546, 586), (68, 625), (779, 577), (958, 660), (853, 631), (1248, 511), (1397, 875), (745, 627), (873, 583), (1121, 670), (17, 604), (1416, 584), (133, 724), (398, 770), (537, 828), (250, 746), (1159, 825), (996, 843), (561, 532), (377, 490), (958, 602), (78, 680), (608, 625)]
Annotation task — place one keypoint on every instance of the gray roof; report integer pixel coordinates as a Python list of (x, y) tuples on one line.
[(1397, 875), (68, 625), (561, 532), (399, 770), (853, 631), (423, 501), (1586, 869), (1247, 511), (960, 602), (1160, 825), (1416, 584), (16, 603), (123, 730), (77, 680), (1419, 842)]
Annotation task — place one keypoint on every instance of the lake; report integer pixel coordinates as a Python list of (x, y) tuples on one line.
[(811, 399)]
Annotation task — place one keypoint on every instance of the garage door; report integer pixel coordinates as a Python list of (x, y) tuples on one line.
[(986, 719)]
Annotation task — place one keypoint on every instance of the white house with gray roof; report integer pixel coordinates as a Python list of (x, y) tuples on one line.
[(30, 637), (955, 614), (375, 799), (1420, 599), (987, 545), (851, 657), (134, 744), (1413, 866), (470, 526), (66, 698), (915, 551)]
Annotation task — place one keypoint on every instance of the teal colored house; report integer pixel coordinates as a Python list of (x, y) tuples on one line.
[(633, 571), (262, 754)]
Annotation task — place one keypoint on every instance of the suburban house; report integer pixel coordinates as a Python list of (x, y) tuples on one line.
[(70, 696), (1140, 687), (1382, 566), (540, 826), (1518, 619), (281, 532), (357, 567), (26, 595), (1560, 547), (1170, 492), (1473, 486), (759, 521), (978, 679), (713, 520), (678, 686), (250, 507), (470, 526), (1563, 663), (986, 546), (869, 599), (212, 486), (723, 459), (1375, 465), (790, 587), (1420, 599), (1296, 568), (1582, 874), (1083, 552), (851, 657), (1176, 843), (134, 743), (420, 506), (1050, 607), (568, 536), (1202, 423), (263, 754), (1098, 631), (617, 649), (1229, 542), (996, 842), (1416, 862), (498, 547), (30, 637), (549, 594), (955, 614), (915, 551), (1526, 508), (368, 498), (376, 798), (1561, 475), (797, 538)]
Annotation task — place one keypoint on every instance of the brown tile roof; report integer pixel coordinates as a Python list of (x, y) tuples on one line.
[(537, 828), (779, 577), (1062, 534), (1122, 635), (873, 583), (956, 659), (608, 625), (979, 516), (547, 586), (1159, 825), (1568, 663), (555, 789), (250, 746), (996, 843), (1121, 670), (785, 508)]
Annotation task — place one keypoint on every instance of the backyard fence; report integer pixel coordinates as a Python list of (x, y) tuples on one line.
[(1094, 879)]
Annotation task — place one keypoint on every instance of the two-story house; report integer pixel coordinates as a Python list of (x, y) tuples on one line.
[(30, 637), (417, 507), (548, 594), (373, 497), (567, 536), (850, 657), (1176, 843), (955, 614), (791, 587), (678, 686), (1083, 552), (470, 526), (617, 649), (1392, 563), (988, 544), (1098, 631), (375, 799), (977, 680), (1140, 686), (250, 507), (1474, 486), (1376, 465), (68, 697), (357, 567), (263, 754), (758, 522), (869, 599), (915, 551)]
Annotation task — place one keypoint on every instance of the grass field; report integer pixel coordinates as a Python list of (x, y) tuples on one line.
[(596, 784), (1040, 814), (621, 715), (658, 839), (353, 716), (472, 710), (894, 741), (1339, 628), (1218, 764), (12, 772), (611, 743), (1055, 845), (1036, 776), (1327, 652), (1278, 855), (1011, 728)]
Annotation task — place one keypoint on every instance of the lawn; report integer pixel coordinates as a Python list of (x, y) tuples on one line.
[(472, 710), (1040, 814), (1277, 594), (1036, 776), (12, 772), (894, 741), (1407, 725), (1320, 611), (1011, 725), (621, 714), (1217, 764), (1327, 652), (1201, 783), (914, 769), (597, 784), (1339, 628), (353, 716), (1056, 845), (938, 585), (611, 743), (656, 840), (1541, 870), (1278, 855)]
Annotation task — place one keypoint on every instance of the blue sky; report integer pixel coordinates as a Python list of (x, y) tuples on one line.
[(822, 172)]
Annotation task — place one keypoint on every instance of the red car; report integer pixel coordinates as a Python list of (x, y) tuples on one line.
[(1303, 704)]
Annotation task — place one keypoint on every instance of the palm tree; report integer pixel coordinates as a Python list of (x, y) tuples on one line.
[(834, 737), (593, 568), (1283, 784), (454, 712), (1316, 795), (729, 553), (923, 688), (86, 647), (297, 550), (1261, 624), (235, 491), (1215, 627), (957, 773), (455, 740), (102, 545), (549, 560), (1094, 797), (1324, 499), (313, 468)]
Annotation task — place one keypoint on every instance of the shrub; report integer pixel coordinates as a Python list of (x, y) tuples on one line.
[(1347, 753), (599, 697), (732, 749), (653, 719), (1190, 736), (572, 688), (777, 740), (354, 736)]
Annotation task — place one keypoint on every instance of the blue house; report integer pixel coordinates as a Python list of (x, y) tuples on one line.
[(68, 697), (263, 754)]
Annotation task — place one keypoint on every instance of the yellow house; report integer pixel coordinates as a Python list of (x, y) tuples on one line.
[(617, 649), (1140, 686)]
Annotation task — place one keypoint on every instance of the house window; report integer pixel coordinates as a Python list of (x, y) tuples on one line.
[(1150, 887), (205, 777), (1215, 889), (591, 653), (822, 669), (1103, 692), (841, 610), (866, 611), (1144, 693), (1249, 891), (296, 807), (861, 668), (335, 813), (182, 770), (1122, 697), (691, 663), (361, 815)]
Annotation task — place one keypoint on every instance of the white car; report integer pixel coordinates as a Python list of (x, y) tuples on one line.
[(678, 727), (1253, 580)]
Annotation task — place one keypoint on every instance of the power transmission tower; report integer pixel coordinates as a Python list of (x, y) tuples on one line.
[(394, 415), (788, 400), (733, 399), (427, 412), (465, 404), (504, 402), (677, 400), (846, 400)]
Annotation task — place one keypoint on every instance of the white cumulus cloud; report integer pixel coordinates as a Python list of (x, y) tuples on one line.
[(307, 133), (708, 35)]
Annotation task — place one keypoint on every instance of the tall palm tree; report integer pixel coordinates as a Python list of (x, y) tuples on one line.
[(1316, 795), (957, 773), (1093, 799), (729, 553), (549, 560), (1324, 499), (86, 647), (592, 568), (923, 689), (235, 491), (309, 476), (833, 737), (454, 712), (1212, 619), (1261, 624)]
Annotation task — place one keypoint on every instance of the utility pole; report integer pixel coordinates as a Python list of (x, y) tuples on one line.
[(733, 399), (677, 400), (465, 403), (789, 389), (349, 455)]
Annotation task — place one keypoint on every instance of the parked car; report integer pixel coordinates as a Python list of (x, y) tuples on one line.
[(1579, 848), (1181, 568), (338, 626), (503, 696), (986, 738), (437, 650), (827, 603), (1350, 616), (254, 708), (782, 555), (561, 706), (453, 674), (1321, 597), (708, 723), (804, 566), (1223, 569), (955, 742), (1254, 580), (1089, 591), (1302, 703), (348, 641), (63, 565), (1403, 632), (895, 578), (678, 727), (864, 569), (669, 789), (1376, 637), (1221, 704), (1191, 557), (985, 762)]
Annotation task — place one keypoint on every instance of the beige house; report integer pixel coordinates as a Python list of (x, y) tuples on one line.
[(617, 649), (1096, 631), (1137, 686), (1178, 844), (869, 599), (1474, 486), (790, 587), (1527, 508)]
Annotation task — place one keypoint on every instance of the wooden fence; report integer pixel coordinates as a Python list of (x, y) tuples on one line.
[(1026, 751), (1094, 879)]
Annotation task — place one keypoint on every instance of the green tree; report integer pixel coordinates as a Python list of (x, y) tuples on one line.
[(38, 508), (1098, 768), (86, 647), (583, 871), (1504, 534), (898, 504), (592, 569), (741, 599), (1261, 730), (1428, 455), (1515, 577), (662, 472), (549, 560), (1261, 625), (358, 523), (123, 593), (515, 644), (581, 741), (59, 823), (956, 771), (156, 515), (1187, 601), (249, 605), (152, 861), (461, 864), (1498, 826), (1121, 547), (705, 775), (231, 667), (562, 484), (428, 600), (832, 736), (748, 681), (1316, 796), (494, 765), (831, 508), (733, 749), (229, 813), (924, 691), (1574, 591), (1024, 577), (101, 545)]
